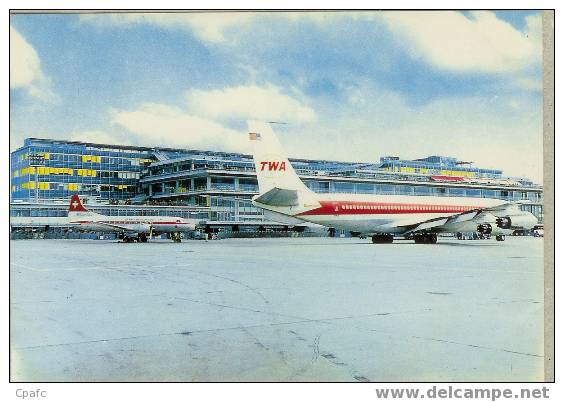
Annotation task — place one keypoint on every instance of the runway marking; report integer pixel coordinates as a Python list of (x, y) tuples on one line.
[(474, 346), (200, 331), (254, 290)]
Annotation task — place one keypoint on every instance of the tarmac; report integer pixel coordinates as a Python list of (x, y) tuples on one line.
[(292, 309)]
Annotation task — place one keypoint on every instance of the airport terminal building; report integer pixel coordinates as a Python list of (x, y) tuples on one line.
[(216, 187)]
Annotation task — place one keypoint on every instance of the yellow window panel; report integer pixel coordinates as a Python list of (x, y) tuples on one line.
[(31, 170), (46, 155), (43, 186), (31, 184)]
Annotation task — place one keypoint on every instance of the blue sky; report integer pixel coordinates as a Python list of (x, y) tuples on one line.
[(352, 86)]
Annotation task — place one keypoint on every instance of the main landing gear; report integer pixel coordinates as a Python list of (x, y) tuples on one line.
[(382, 238), (175, 237), (500, 237), (140, 238), (425, 238)]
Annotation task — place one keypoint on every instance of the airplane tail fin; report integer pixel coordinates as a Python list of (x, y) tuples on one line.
[(274, 171), (76, 209)]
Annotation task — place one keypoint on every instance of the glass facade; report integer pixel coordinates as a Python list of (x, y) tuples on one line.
[(48, 170), (437, 165)]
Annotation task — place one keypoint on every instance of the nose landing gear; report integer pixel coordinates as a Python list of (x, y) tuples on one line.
[(500, 237)]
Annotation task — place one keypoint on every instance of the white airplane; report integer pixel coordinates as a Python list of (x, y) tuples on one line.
[(130, 228), (285, 198)]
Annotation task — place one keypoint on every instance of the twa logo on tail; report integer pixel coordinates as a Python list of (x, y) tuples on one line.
[(272, 166)]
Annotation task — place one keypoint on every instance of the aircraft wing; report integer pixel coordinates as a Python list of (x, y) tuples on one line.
[(113, 226), (479, 215), (438, 222)]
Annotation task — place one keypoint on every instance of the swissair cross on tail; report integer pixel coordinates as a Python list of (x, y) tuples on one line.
[(284, 196), (130, 228)]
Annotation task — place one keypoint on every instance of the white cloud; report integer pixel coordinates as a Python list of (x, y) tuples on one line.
[(166, 125), (455, 42), (249, 102), (208, 26), (25, 69)]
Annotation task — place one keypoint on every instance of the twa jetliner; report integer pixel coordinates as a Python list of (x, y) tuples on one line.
[(130, 228), (283, 195)]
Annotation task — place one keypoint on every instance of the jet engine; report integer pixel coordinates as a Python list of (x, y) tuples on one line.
[(487, 229), (521, 221)]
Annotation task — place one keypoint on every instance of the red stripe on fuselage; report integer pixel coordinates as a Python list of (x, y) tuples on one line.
[(379, 208), (133, 223)]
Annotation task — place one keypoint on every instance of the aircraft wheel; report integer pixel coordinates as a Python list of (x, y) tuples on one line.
[(142, 238), (426, 238), (382, 238), (500, 237)]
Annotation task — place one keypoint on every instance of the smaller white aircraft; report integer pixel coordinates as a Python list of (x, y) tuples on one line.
[(130, 228)]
